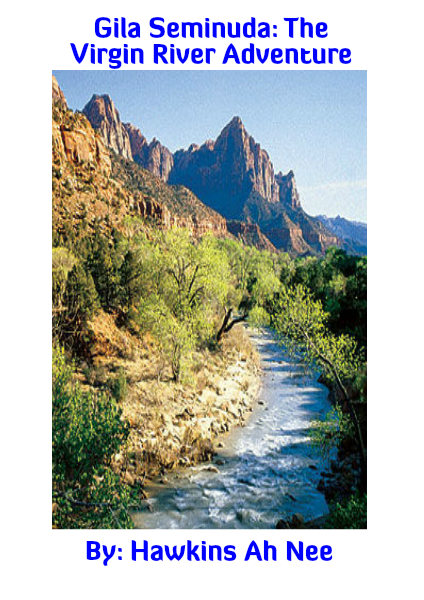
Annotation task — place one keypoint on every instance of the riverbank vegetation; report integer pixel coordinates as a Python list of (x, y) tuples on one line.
[(179, 301)]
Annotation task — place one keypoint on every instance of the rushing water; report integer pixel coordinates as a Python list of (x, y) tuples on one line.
[(267, 469)]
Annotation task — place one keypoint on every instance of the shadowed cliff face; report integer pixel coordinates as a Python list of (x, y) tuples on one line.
[(233, 175), (154, 157), (226, 172)]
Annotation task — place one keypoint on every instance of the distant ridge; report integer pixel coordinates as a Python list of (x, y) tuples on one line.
[(353, 233)]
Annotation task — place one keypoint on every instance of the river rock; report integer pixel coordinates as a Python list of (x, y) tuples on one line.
[(210, 469), (282, 524), (297, 521)]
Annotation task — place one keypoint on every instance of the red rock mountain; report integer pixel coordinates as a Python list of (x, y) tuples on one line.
[(233, 175), (288, 193), (226, 172), (125, 139), (250, 235)]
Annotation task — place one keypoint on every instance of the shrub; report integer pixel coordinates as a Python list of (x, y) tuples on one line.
[(328, 433), (87, 432), (118, 386), (352, 514)]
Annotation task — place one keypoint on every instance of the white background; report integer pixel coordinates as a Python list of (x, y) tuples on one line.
[(386, 559)]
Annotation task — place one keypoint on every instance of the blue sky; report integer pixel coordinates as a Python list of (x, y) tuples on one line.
[(313, 122)]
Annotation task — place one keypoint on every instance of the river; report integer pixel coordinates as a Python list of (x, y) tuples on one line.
[(265, 471)]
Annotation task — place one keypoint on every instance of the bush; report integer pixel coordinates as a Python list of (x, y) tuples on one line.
[(87, 431), (352, 514), (118, 386), (80, 303)]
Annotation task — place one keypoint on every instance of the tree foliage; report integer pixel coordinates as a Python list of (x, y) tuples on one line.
[(301, 322), (187, 294)]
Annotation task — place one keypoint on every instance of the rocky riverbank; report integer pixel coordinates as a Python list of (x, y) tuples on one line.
[(177, 424), (263, 472)]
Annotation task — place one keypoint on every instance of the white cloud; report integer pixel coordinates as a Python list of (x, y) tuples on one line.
[(335, 186)]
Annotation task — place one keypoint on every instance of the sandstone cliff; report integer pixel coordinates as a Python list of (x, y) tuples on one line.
[(138, 143), (168, 205), (159, 160), (103, 116), (288, 193), (250, 235)]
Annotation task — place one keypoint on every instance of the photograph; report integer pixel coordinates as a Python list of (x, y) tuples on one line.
[(209, 299)]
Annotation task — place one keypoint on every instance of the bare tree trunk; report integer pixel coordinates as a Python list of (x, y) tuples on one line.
[(227, 325), (224, 324)]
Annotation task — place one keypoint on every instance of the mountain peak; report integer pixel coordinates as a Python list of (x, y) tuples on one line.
[(104, 117), (235, 131), (235, 127), (100, 103), (103, 97), (225, 173), (236, 124), (236, 121)]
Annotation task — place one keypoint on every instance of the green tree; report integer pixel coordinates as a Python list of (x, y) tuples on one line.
[(184, 285), (62, 263), (301, 322), (103, 262), (351, 514), (130, 275), (79, 304), (252, 285)]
